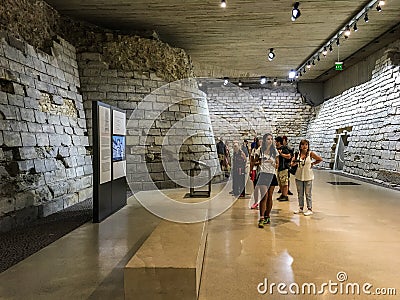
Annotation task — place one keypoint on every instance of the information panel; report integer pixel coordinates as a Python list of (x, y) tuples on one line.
[(105, 143)]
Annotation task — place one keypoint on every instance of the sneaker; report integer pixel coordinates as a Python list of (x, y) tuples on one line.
[(298, 211), (290, 193), (283, 198), (261, 223), (254, 206), (309, 212), (267, 220), (280, 197)]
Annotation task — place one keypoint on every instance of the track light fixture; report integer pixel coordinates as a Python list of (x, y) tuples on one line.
[(344, 32), (275, 81), (292, 74), (226, 80), (240, 83), (295, 11), (347, 32), (263, 80), (271, 54), (223, 3)]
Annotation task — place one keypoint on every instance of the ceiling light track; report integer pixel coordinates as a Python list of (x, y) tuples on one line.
[(345, 32)]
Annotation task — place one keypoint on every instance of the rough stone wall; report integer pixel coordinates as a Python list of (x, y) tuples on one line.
[(238, 114), (37, 23), (158, 112), (369, 115), (44, 164)]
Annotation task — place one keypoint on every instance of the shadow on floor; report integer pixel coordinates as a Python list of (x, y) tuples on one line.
[(19, 243)]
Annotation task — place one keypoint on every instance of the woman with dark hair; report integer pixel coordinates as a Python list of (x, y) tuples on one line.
[(305, 176), (267, 180), (255, 170)]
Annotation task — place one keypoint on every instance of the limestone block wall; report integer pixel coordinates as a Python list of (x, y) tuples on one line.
[(167, 121), (238, 113), (44, 163), (369, 116)]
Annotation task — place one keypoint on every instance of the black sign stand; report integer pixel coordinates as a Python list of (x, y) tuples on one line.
[(109, 194)]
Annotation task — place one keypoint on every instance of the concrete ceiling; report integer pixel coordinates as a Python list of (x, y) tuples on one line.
[(234, 41)]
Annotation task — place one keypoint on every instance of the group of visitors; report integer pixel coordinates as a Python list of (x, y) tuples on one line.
[(270, 162), (269, 167)]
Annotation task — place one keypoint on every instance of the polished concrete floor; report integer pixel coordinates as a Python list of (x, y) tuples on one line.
[(354, 232)]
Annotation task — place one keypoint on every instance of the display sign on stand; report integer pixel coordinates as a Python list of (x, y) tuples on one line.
[(109, 160)]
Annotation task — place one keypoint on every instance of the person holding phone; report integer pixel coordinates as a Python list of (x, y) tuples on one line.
[(267, 180), (305, 176)]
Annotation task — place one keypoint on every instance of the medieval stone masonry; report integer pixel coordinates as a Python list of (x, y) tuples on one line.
[(53, 68), (368, 116)]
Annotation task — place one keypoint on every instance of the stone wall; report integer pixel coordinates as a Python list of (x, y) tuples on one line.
[(44, 163), (170, 117), (369, 117), (238, 113)]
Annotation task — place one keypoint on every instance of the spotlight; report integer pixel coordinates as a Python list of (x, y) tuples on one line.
[(292, 74), (263, 80), (313, 62), (271, 54), (324, 52), (378, 8), (308, 65), (275, 82), (355, 28), (381, 2), (240, 83), (330, 48), (318, 59), (295, 11), (338, 42), (300, 74), (366, 18), (347, 32), (226, 80), (223, 3)]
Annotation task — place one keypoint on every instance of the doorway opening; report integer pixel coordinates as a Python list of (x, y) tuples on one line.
[(339, 148)]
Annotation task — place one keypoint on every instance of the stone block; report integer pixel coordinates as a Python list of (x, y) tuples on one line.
[(51, 207), (28, 139), (12, 139), (50, 164), (85, 194), (24, 199), (27, 114), (55, 139), (58, 100), (152, 272), (40, 117), (42, 139), (39, 165), (25, 165)]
